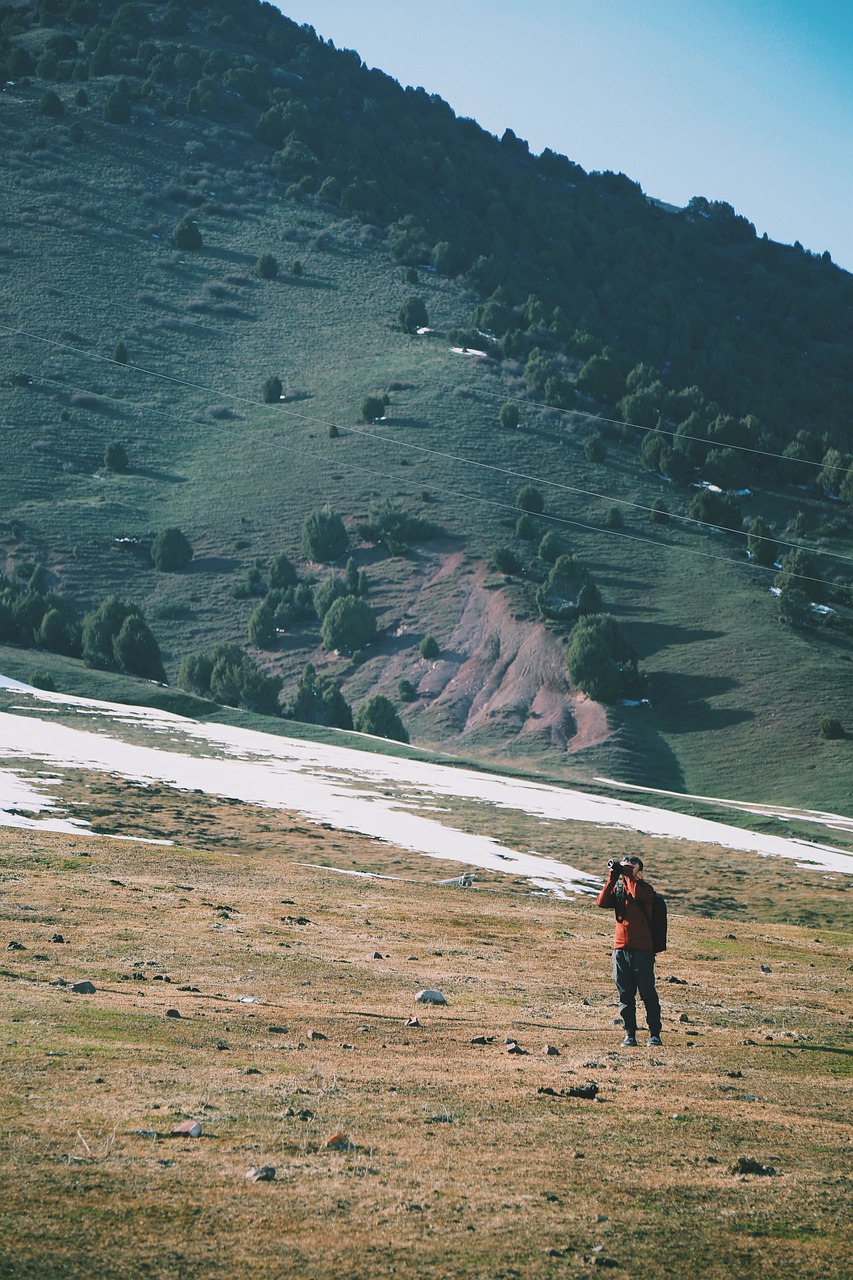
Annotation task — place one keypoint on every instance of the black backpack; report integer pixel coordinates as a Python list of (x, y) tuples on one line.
[(657, 920)]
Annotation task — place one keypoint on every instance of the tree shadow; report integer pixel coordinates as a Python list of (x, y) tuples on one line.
[(148, 473), (655, 637), (681, 703), (213, 564)]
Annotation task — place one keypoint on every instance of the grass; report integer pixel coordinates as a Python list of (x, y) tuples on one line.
[(459, 1164), (737, 699)]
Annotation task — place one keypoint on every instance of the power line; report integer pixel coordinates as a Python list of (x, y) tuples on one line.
[(407, 445)]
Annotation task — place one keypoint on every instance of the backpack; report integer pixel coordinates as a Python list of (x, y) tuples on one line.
[(657, 921)]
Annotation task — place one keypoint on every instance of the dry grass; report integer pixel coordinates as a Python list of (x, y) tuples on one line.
[(459, 1165)]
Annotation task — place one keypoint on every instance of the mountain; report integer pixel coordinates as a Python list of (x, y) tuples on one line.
[(248, 279)]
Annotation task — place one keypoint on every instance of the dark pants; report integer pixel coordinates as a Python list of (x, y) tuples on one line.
[(633, 973)]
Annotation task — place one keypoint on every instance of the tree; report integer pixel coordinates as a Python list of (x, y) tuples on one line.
[(525, 528), (830, 727), (378, 716), (120, 353), (601, 379), (187, 235), (799, 573), (504, 560), (261, 626), (833, 471), (660, 512), (413, 315), (508, 416), (324, 537), (117, 111), (601, 662), (115, 457), (722, 510), (272, 390), (613, 518), (530, 499), (319, 701), (266, 267), (171, 550), (568, 590), (405, 690), (282, 573), (595, 448), (327, 592), (349, 625), (760, 544), (726, 468), (51, 104), (136, 651), (194, 673), (100, 627), (550, 548), (429, 647), (372, 408)]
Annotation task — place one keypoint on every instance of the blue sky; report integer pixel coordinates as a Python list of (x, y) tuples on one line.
[(749, 101)]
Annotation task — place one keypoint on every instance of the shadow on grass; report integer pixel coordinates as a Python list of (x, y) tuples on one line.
[(214, 564), (809, 1048), (680, 703), (653, 637), (148, 473)]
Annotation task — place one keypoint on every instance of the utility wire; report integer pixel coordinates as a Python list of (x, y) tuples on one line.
[(406, 445)]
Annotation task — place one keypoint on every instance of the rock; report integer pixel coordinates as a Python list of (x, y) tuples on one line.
[(344, 1045), (339, 1142), (483, 1040), (583, 1091), (765, 968), (173, 1013), (682, 982), (745, 1164), (146, 1133), (16, 946), (412, 1022), (551, 1051), (277, 1031), (120, 883), (57, 937), (316, 1035), (377, 955), (684, 1018), (264, 1173), (429, 996), (187, 1129), (84, 988), (253, 1071), (514, 1047)]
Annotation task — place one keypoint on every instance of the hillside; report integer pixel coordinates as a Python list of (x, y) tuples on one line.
[(645, 351)]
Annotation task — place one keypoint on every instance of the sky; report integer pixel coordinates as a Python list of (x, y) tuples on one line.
[(748, 101)]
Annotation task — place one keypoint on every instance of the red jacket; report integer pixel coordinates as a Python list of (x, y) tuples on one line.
[(633, 929)]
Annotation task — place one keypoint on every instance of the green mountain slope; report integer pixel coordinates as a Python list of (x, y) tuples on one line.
[(607, 321)]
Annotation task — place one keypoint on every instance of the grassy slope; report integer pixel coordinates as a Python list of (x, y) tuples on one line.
[(737, 699), (459, 1165)]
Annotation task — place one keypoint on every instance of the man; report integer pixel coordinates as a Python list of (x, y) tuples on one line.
[(633, 948)]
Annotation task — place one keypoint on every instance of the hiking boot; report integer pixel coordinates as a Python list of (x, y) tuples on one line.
[(656, 1041), (630, 1042)]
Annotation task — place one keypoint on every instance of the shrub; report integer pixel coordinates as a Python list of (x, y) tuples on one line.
[(659, 512), (429, 647), (194, 673), (550, 548), (326, 593), (378, 716), (508, 416), (117, 111), (272, 390), (530, 499), (525, 528), (719, 509), (413, 315), (324, 537), (171, 550), (799, 573), (390, 525), (406, 691), (115, 457), (282, 573), (51, 104), (41, 679), (261, 626), (372, 407), (601, 662), (120, 353), (187, 235), (349, 624), (761, 547), (568, 591), (266, 267), (504, 560), (613, 518), (595, 449), (136, 651), (319, 701), (830, 727)]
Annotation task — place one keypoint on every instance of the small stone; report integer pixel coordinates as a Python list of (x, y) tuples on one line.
[(377, 955), (253, 1071), (412, 1022), (83, 988), (430, 996), (187, 1129), (316, 1035), (16, 946), (173, 1013), (551, 1051), (765, 968), (57, 937), (482, 1040), (681, 982), (347, 1046), (684, 1018), (264, 1173), (745, 1164), (120, 883)]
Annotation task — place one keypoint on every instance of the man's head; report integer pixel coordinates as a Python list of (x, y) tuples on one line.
[(633, 867)]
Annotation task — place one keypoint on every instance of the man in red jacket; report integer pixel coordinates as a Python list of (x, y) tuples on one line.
[(633, 948)]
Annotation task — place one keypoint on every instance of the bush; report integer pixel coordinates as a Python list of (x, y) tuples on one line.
[(266, 267), (272, 390), (261, 626), (525, 528), (722, 510), (568, 591), (324, 537), (508, 416), (372, 408), (51, 104), (282, 573), (136, 651), (830, 727), (41, 679), (117, 111), (186, 235), (348, 625), (326, 593), (530, 499), (378, 716), (406, 691), (595, 449), (120, 353), (601, 662), (800, 574), (504, 560), (171, 550), (319, 701), (413, 315), (550, 548), (760, 544), (659, 513), (429, 647), (613, 518), (115, 457), (390, 525)]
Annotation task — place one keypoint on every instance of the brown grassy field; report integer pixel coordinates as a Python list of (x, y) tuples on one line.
[(456, 1163)]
